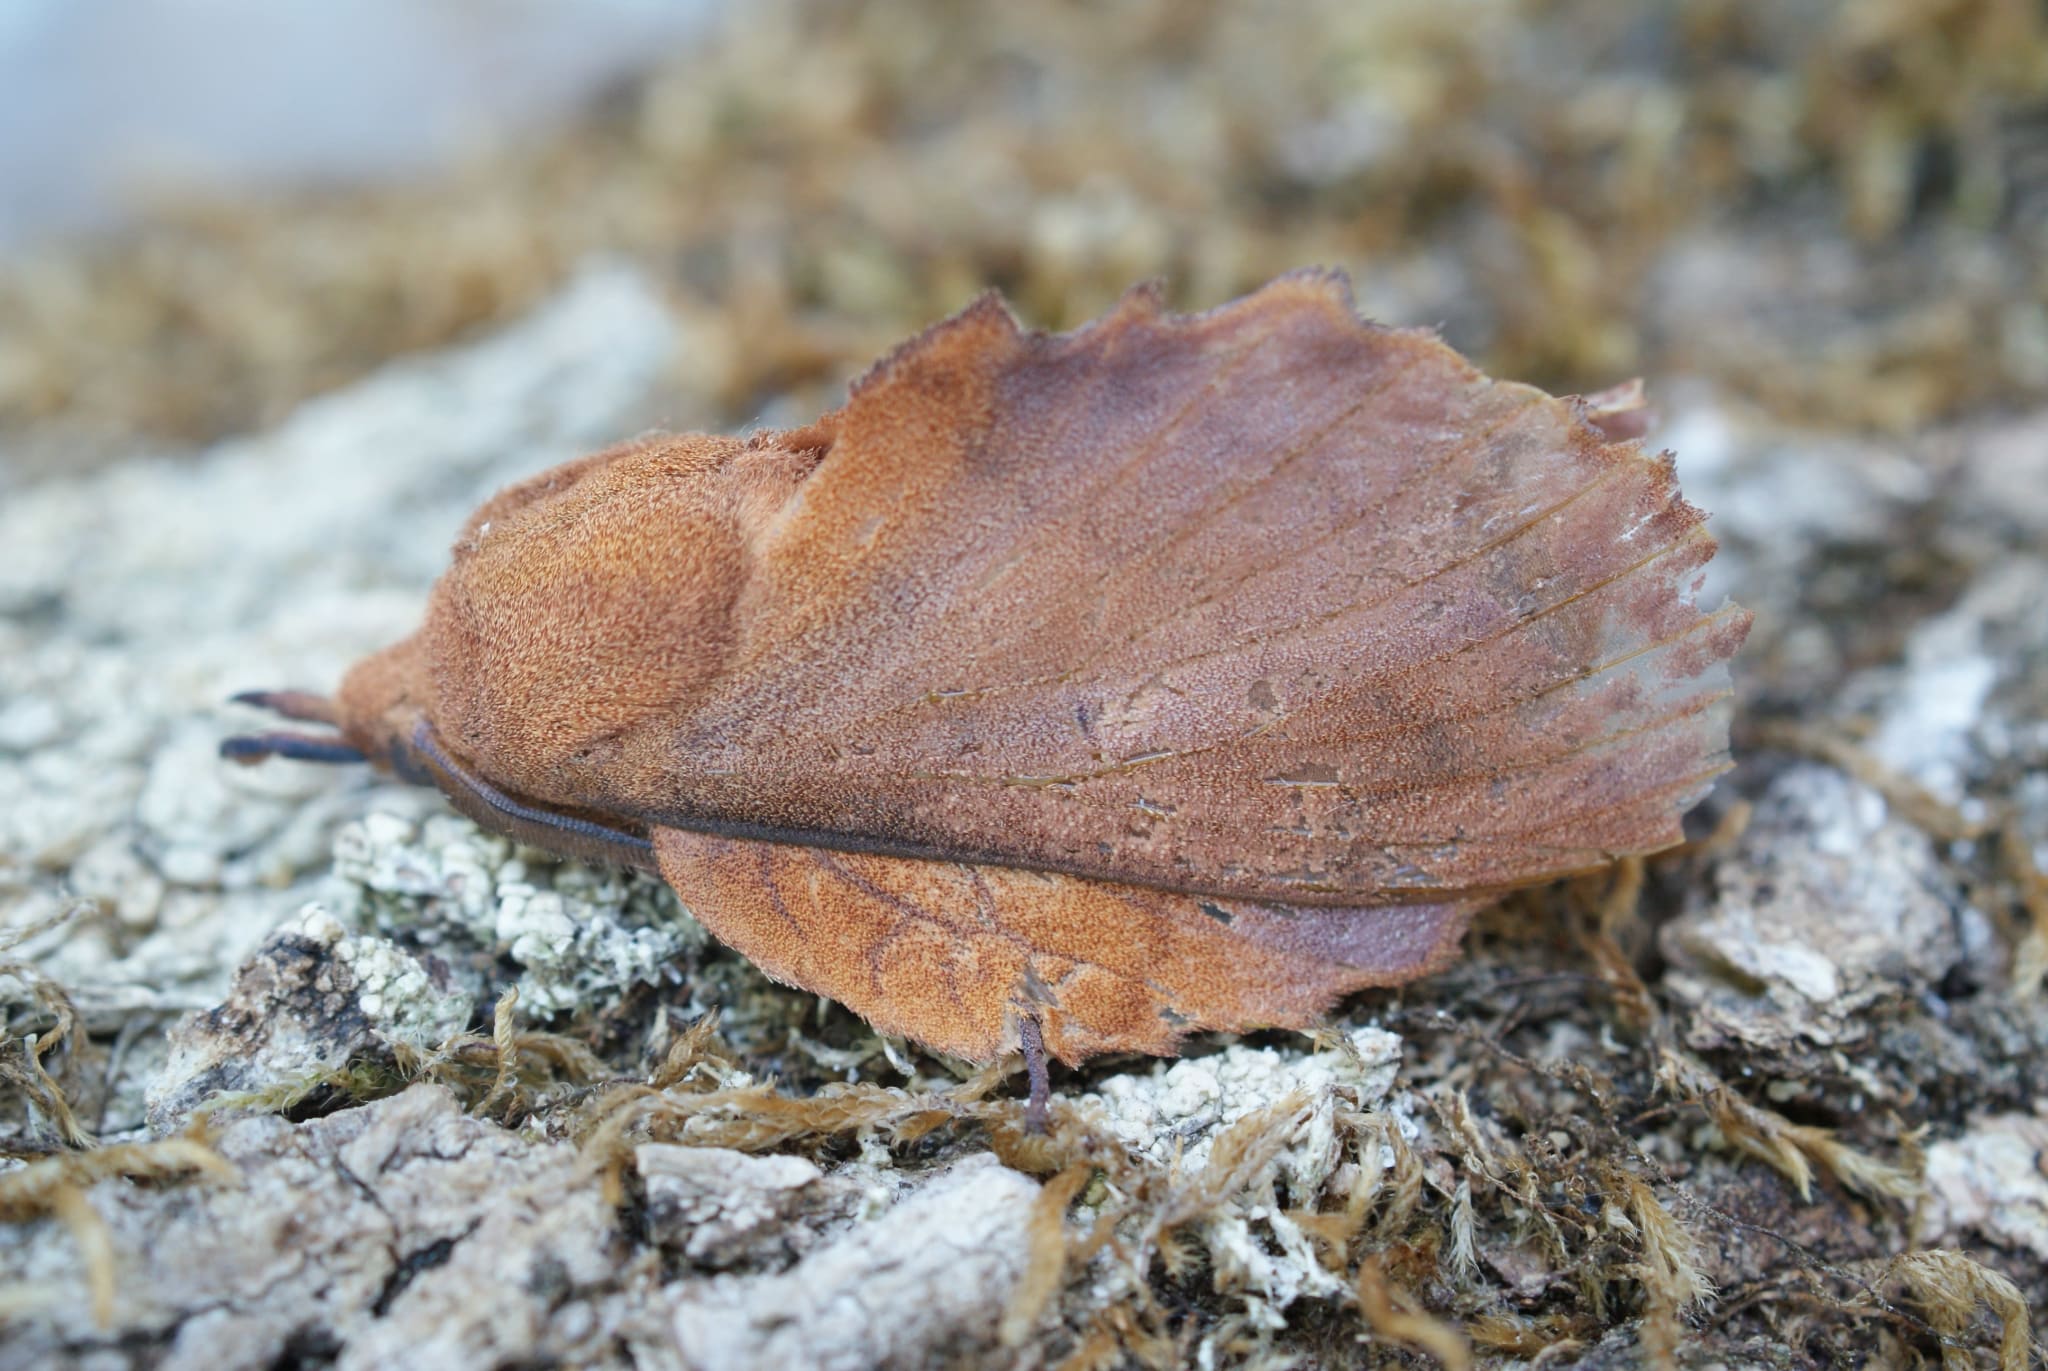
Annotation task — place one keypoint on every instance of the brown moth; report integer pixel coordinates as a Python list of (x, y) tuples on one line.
[(1079, 691)]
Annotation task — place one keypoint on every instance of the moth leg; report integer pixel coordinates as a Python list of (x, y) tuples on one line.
[(292, 704), (1032, 1038), (251, 748)]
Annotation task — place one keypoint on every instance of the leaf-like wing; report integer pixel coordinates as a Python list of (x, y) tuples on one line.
[(953, 955), (1265, 602)]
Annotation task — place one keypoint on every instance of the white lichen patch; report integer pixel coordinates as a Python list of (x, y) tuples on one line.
[(439, 874), (1937, 715), (1315, 1108), (580, 935), (312, 999), (943, 1263), (720, 1208), (1828, 903), (396, 993), (1991, 1182), (1172, 1114)]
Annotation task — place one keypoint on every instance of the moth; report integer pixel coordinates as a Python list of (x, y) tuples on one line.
[(1074, 692)]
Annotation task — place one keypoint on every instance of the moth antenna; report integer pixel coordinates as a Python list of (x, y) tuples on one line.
[(1032, 1039), (494, 809), (292, 704), (251, 748)]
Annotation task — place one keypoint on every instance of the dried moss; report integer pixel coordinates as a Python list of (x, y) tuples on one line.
[(37, 1020)]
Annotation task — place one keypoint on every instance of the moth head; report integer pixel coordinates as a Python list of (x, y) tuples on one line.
[(581, 609)]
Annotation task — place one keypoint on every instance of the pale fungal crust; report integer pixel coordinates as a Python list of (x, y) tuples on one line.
[(1178, 672)]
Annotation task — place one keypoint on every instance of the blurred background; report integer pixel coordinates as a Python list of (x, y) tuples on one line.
[(212, 209)]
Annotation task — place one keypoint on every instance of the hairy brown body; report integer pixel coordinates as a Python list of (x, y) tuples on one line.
[(1180, 672)]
